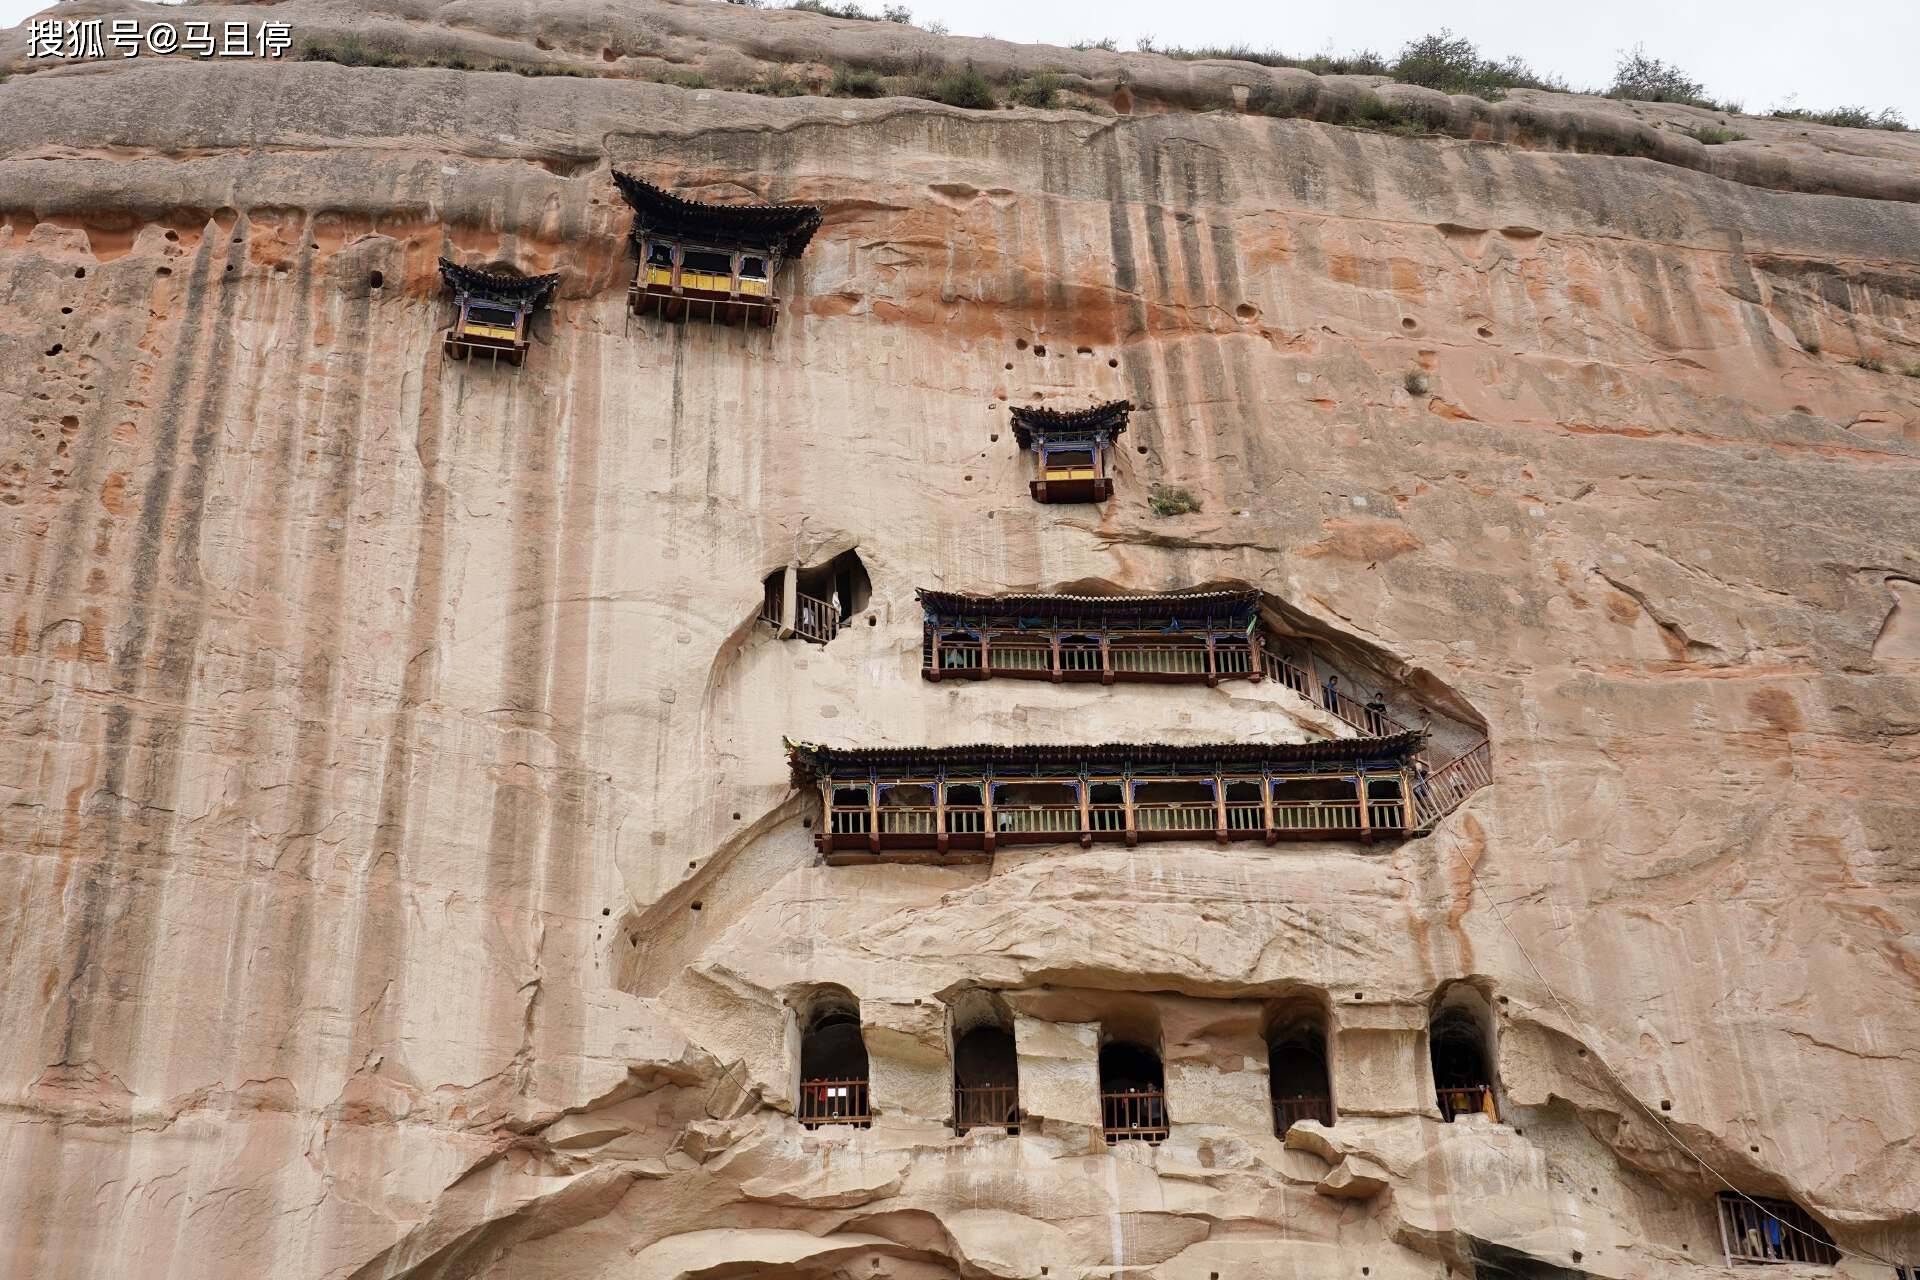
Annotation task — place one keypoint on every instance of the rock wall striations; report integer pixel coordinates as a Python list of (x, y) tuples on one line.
[(402, 872)]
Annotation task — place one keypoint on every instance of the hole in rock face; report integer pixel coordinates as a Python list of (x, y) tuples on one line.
[(1576, 1255), (1246, 311), (79, 273), (54, 350), (606, 911), (872, 621), (67, 311), (1113, 364), (376, 279), (736, 817), (173, 236), (995, 437), (1085, 351), (1666, 1104), (1484, 332), (1407, 322), (1142, 448), (966, 477), (608, 55), (1039, 351), (695, 904), (1009, 364), (1019, 344), (806, 824), (1755, 1150)]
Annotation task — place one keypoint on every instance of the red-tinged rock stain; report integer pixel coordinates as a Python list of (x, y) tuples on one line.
[(1460, 877), (1367, 541), (113, 493), (1776, 707)]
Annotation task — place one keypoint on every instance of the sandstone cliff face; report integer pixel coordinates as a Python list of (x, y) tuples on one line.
[(403, 877)]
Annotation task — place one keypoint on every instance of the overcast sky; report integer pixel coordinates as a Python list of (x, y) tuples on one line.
[(1762, 53)]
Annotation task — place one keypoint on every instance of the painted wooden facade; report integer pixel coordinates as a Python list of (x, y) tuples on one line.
[(1194, 637), (491, 311), (914, 804), (715, 262), (1072, 450)]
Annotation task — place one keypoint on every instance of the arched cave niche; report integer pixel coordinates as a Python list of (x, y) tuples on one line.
[(986, 1069), (1461, 1040), (841, 582), (833, 1060), (1133, 1094), (1298, 1079)]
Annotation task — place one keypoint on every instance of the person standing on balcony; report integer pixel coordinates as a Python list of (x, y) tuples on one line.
[(1331, 690), (1377, 714)]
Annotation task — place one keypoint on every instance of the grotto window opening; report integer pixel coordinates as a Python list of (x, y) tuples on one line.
[(820, 601), (492, 311), (1297, 1077), (1133, 1096), (1755, 1229), (986, 1071), (833, 1062), (1460, 1039)]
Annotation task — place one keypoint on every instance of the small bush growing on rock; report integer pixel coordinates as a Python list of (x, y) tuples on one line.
[(1848, 118), (856, 82), (1104, 42), (1452, 64), (964, 88), (352, 51), (1714, 135), (778, 87), (1415, 382), (1166, 500), (1041, 90), (1638, 78), (685, 79), (1872, 364), (1912, 371), (1810, 345), (1391, 117)]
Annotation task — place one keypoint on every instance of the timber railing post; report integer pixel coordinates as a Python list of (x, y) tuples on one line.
[(1086, 818), (1266, 799), (1360, 786), (1126, 797), (1056, 658), (1213, 662), (1219, 787), (986, 794), (1106, 658), (789, 598), (940, 839), (873, 810)]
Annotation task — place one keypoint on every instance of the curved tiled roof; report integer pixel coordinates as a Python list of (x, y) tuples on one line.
[(1079, 608), (811, 761), (788, 226), (1108, 419), (528, 291)]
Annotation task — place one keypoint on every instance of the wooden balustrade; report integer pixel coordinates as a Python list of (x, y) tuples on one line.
[(1772, 1231), (863, 829), (986, 1106), (815, 620), (1138, 1115), (1444, 789), (834, 1102), (775, 601), (1039, 655), (1472, 1100), (1288, 1112)]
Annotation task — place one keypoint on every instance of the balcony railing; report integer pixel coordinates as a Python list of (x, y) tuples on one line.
[(1446, 788), (815, 620), (988, 1106), (1772, 1231), (1137, 1116), (1041, 655), (1472, 1100), (858, 826), (1288, 1112), (834, 1102)]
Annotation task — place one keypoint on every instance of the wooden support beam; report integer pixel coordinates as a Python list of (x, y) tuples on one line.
[(873, 810), (1086, 818), (1219, 786), (1366, 827)]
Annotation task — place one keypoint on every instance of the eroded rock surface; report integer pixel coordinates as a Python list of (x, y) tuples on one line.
[(403, 873)]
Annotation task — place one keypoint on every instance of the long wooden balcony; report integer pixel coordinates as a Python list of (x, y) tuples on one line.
[(961, 803), (1759, 1229)]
